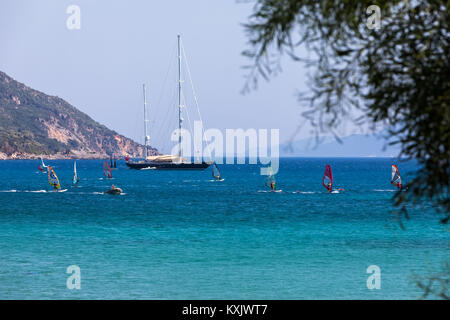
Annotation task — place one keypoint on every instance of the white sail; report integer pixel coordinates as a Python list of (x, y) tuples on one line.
[(42, 163), (75, 179)]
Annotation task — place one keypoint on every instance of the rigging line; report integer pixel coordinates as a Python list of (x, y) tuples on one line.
[(167, 73), (193, 90), (137, 124), (170, 114), (165, 123), (161, 124), (163, 89), (137, 135), (187, 111)]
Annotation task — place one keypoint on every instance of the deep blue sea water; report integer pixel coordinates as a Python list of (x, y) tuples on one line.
[(180, 235)]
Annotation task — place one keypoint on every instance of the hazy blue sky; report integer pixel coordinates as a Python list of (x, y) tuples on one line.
[(121, 44)]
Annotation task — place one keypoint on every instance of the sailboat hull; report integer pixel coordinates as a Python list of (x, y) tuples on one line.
[(167, 165)]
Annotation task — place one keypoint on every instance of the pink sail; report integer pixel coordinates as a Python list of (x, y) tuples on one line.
[(107, 170), (327, 180)]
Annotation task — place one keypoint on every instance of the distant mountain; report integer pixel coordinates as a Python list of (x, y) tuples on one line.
[(33, 124), (356, 145)]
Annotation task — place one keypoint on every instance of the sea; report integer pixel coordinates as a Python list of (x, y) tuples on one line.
[(183, 235)]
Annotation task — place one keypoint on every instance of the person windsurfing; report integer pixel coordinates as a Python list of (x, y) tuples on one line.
[(216, 172), (53, 179), (42, 166), (270, 180), (107, 170), (327, 180), (396, 179), (75, 178), (272, 186)]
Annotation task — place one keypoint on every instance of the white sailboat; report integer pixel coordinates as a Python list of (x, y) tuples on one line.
[(167, 161)]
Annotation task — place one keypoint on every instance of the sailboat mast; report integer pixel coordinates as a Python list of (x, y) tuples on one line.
[(147, 138), (179, 96)]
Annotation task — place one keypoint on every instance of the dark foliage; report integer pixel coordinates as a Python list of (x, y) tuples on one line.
[(437, 285)]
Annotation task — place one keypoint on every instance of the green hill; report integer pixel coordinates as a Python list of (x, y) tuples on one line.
[(33, 124)]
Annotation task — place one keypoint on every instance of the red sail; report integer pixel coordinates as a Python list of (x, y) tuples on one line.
[(327, 180), (107, 169), (396, 180)]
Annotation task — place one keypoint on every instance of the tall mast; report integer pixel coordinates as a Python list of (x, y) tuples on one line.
[(179, 96), (147, 137)]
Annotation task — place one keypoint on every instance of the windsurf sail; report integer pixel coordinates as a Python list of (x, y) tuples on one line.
[(107, 169), (75, 179), (215, 171), (52, 178), (42, 163), (327, 180), (270, 180), (396, 179)]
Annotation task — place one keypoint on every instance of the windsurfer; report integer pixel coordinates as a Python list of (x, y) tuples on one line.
[(272, 186), (329, 187), (216, 172), (396, 179)]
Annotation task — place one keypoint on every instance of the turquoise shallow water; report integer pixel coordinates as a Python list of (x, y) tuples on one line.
[(180, 235)]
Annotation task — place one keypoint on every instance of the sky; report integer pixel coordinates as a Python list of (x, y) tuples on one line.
[(120, 45)]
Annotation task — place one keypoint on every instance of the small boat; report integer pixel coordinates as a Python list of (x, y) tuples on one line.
[(114, 190)]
